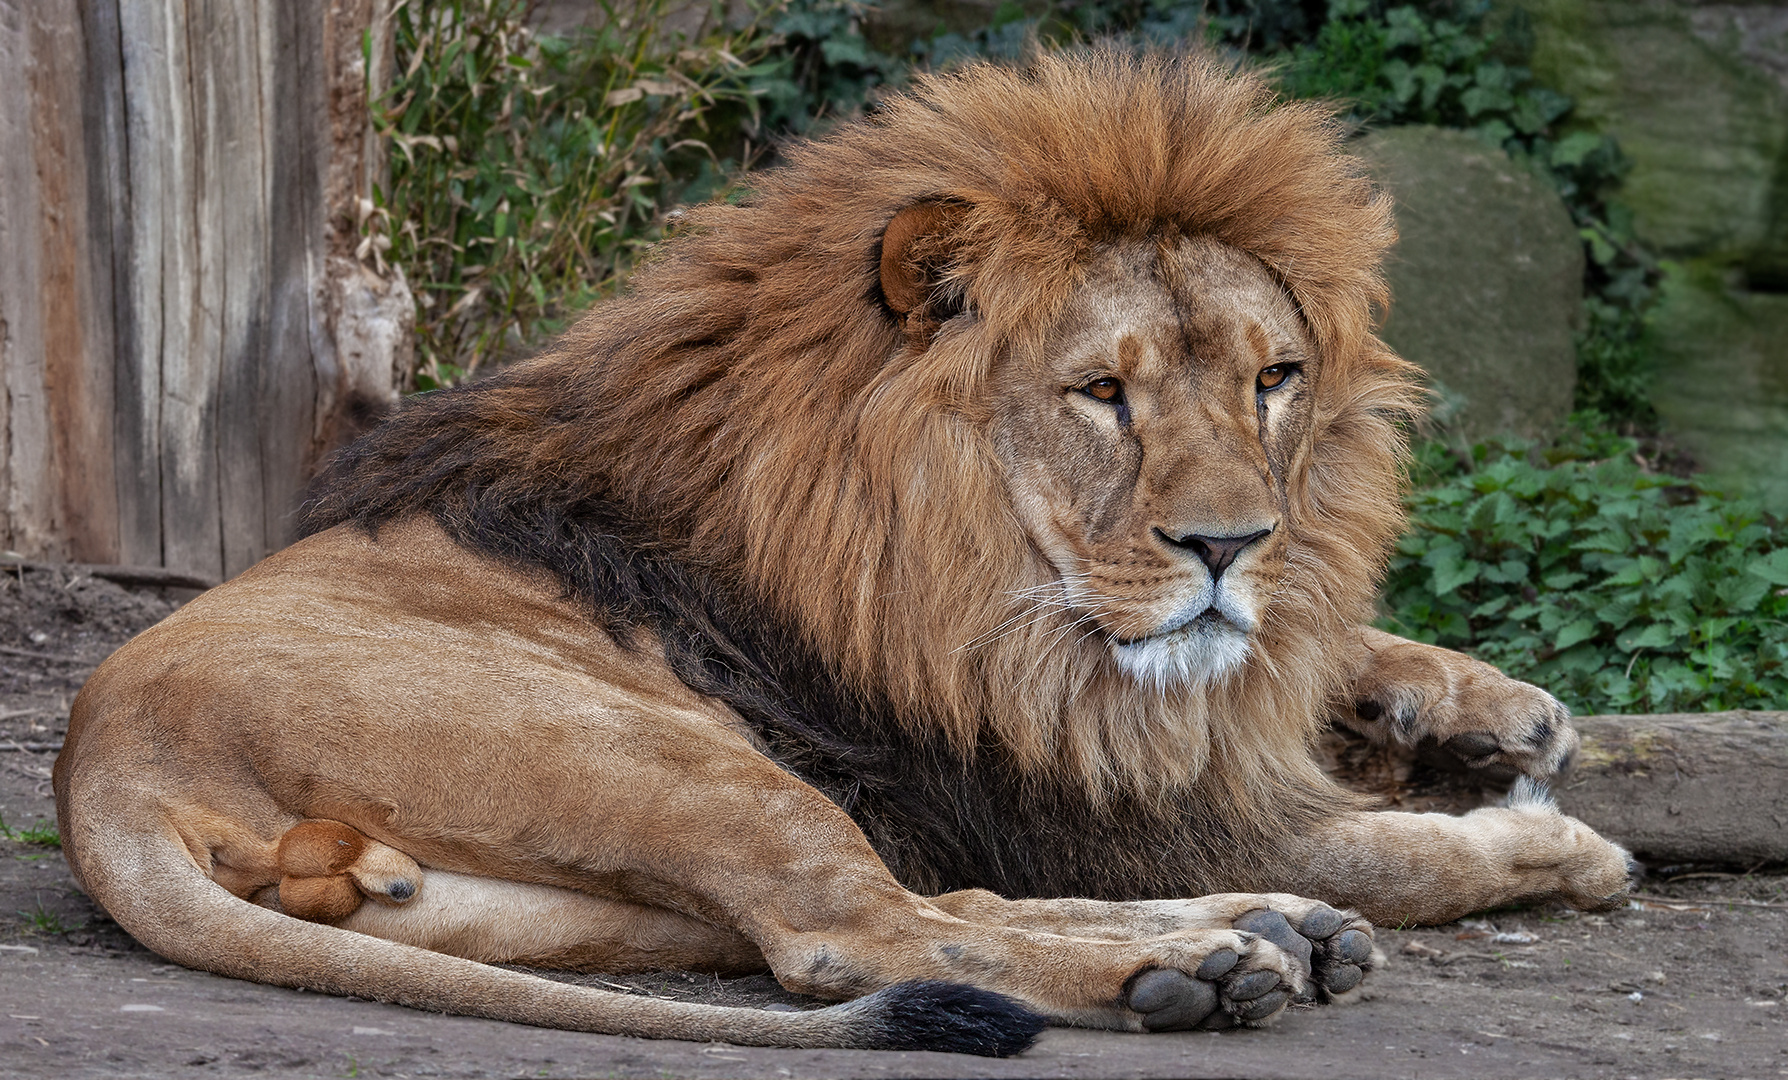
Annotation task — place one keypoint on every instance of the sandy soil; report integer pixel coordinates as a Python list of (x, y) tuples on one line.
[(1690, 983)]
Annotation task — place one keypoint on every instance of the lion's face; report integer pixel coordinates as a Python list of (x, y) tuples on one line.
[(1147, 441)]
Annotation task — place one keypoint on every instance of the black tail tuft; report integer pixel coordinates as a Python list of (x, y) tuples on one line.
[(950, 1017)]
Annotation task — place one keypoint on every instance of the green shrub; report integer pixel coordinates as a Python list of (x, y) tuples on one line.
[(1405, 67), (527, 170), (818, 65), (1574, 567)]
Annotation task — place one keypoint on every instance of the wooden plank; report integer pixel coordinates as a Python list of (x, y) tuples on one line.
[(30, 492), (77, 367), (136, 446), (153, 134), (1709, 787), (14, 178), (149, 576), (190, 516), (233, 102), (297, 340), (168, 314)]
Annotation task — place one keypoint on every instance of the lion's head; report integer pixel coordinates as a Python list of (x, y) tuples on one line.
[(1146, 440), (1043, 405)]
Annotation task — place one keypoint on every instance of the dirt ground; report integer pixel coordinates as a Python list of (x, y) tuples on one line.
[(1688, 983)]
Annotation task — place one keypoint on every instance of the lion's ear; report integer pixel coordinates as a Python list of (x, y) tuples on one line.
[(917, 251)]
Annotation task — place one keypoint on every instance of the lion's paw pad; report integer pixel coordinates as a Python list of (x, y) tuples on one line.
[(1335, 948), (1215, 996), (1276, 928), (1171, 1000)]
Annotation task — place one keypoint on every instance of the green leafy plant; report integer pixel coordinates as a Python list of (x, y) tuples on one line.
[(1405, 67), (818, 66), (1577, 567), (45, 921), (527, 170)]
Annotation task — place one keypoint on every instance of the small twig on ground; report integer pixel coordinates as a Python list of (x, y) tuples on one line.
[(1691, 905), (1454, 958), (31, 654), (638, 991), (31, 747)]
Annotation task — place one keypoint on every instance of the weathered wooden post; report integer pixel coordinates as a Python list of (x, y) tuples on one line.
[(184, 329)]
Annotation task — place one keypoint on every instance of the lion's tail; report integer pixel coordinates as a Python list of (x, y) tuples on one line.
[(142, 875)]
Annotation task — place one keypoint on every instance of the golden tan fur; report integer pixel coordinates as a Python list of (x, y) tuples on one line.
[(1042, 414)]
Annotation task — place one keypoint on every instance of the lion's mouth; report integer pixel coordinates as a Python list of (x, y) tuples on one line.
[(1208, 621), (1202, 649)]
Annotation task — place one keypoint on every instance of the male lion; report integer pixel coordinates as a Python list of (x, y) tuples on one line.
[(933, 573)]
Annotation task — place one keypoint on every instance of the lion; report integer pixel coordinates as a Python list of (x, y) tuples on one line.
[(926, 584)]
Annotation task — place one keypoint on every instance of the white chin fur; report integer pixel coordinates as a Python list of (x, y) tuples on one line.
[(1198, 653)]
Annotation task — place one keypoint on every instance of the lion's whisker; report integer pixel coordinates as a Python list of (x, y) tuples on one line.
[(1036, 612)]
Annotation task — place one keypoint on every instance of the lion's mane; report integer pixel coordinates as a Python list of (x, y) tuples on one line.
[(746, 456)]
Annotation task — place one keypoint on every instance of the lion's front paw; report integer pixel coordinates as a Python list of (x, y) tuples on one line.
[(1473, 711), (1575, 862), (1294, 950)]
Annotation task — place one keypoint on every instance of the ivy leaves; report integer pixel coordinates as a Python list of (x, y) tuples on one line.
[(1617, 588)]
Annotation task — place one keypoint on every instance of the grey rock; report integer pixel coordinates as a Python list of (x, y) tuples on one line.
[(1697, 95), (1486, 280)]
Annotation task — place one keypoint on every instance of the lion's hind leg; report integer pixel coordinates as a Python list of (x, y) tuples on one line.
[(327, 869), (1335, 946), (496, 921)]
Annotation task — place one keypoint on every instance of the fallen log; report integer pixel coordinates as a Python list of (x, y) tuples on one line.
[(1672, 788), (1685, 787)]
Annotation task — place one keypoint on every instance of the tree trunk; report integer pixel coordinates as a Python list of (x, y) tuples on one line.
[(184, 331)]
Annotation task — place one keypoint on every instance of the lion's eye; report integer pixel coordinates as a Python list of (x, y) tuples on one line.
[(1274, 376), (1104, 390)]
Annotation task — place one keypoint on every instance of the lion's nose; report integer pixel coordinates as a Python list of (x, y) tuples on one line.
[(1216, 552)]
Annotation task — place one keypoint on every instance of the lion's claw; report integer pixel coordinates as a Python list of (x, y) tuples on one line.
[(1472, 747)]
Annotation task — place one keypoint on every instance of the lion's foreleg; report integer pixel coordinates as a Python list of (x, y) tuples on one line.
[(1335, 945), (1404, 869)]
